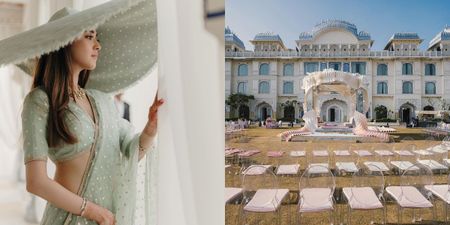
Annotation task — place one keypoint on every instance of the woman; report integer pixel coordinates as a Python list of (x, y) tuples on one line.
[(82, 133)]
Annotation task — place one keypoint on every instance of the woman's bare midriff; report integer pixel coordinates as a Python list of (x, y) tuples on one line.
[(69, 173)]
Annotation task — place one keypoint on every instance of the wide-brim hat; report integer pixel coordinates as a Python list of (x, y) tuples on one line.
[(127, 30)]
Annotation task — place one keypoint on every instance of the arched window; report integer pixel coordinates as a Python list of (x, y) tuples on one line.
[(407, 69), (428, 108), (382, 88), (242, 87), (264, 87), (346, 67), (311, 67), (243, 70), (335, 65), (288, 87), (430, 69), (288, 70), (264, 69), (382, 70), (430, 88), (359, 67), (407, 87)]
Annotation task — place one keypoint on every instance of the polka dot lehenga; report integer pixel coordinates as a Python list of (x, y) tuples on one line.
[(110, 178)]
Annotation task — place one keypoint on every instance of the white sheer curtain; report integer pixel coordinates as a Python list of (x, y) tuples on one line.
[(191, 141)]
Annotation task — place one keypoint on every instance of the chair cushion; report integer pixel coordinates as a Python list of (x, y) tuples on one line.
[(408, 197), (363, 153), (404, 153), (342, 153), (441, 191), (266, 200), (423, 152), (297, 153), (432, 164), (320, 153), (347, 166), (288, 169), (231, 192), (318, 168), (376, 166), (362, 198), (256, 170), (315, 200), (403, 165), (275, 153), (384, 152)]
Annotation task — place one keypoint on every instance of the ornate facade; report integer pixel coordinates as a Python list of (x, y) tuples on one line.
[(401, 78)]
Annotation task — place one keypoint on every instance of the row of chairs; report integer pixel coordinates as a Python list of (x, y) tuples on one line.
[(346, 161), (367, 192)]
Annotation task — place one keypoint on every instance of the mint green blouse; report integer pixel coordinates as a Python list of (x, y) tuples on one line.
[(110, 178)]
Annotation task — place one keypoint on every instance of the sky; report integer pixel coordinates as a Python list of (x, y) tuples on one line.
[(380, 18)]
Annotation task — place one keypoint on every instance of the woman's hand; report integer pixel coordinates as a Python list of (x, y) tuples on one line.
[(98, 214), (152, 124)]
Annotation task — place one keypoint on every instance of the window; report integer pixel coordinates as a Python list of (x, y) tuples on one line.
[(242, 87), (264, 69), (382, 88), (407, 69), (359, 67), (407, 87), (430, 69), (288, 70), (346, 67), (382, 70), (323, 66), (264, 87), (430, 88), (288, 87), (243, 70), (311, 67), (335, 65)]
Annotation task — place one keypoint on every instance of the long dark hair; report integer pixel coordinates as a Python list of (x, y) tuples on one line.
[(53, 73)]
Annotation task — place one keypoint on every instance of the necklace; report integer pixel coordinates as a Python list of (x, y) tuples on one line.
[(77, 94)]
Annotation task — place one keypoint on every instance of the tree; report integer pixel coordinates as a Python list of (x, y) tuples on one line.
[(289, 110), (380, 112), (238, 99)]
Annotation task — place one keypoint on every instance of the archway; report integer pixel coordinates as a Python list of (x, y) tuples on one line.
[(407, 112), (264, 110), (334, 110), (351, 89), (289, 113)]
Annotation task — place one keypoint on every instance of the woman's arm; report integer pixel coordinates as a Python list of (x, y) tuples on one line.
[(149, 132), (38, 183)]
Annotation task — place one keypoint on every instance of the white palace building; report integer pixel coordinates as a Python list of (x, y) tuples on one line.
[(401, 80)]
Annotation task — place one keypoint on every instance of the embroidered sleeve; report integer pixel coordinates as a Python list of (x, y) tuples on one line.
[(34, 126)]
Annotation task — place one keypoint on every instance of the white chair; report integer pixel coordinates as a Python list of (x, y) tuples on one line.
[(255, 170), (261, 194), (319, 160), (231, 193), (411, 193), (366, 193), (442, 192), (404, 158), (288, 166), (343, 162), (427, 158), (377, 161), (316, 193)]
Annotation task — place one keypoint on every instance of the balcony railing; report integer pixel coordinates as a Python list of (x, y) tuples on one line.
[(294, 54)]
